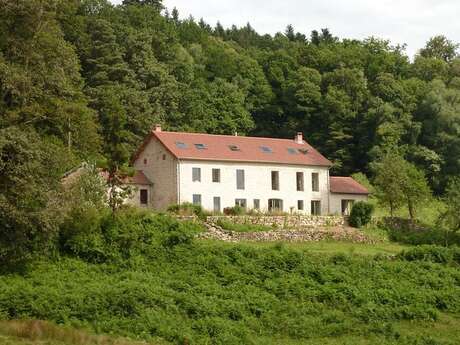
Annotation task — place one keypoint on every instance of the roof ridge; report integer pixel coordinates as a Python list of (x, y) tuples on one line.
[(227, 136)]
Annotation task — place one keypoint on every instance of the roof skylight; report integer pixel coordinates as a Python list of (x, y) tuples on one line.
[(304, 151), (234, 148), (201, 146), (181, 145), (292, 151), (266, 149)]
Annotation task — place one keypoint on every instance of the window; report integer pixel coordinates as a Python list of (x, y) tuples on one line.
[(292, 151), (196, 174), (300, 205), (233, 147), (144, 196), (275, 205), (240, 202), (239, 179), (164, 157), (275, 180), (346, 207), (201, 146), (316, 207), (145, 161), (299, 181), (197, 199), (266, 149), (315, 182), (256, 204), (216, 204), (215, 175), (181, 145)]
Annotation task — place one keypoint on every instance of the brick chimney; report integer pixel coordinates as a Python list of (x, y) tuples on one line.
[(299, 138), (157, 128)]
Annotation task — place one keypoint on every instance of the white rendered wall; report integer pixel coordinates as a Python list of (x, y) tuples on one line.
[(336, 201), (257, 184)]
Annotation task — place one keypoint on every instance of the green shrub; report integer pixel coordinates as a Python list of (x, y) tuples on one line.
[(432, 253), (227, 225), (188, 209), (361, 214), (414, 233), (102, 237), (234, 211)]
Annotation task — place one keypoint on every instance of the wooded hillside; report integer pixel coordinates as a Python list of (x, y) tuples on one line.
[(93, 78)]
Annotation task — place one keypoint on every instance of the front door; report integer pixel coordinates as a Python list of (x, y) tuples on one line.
[(346, 207)]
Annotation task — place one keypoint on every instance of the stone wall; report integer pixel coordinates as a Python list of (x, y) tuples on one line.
[(285, 222)]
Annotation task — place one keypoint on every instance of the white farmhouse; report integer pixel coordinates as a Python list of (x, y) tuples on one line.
[(219, 171)]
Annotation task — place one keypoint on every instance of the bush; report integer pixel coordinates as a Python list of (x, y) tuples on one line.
[(361, 214), (103, 237), (431, 253), (188, 209), (415, 233), (225, 224), (234, 211)]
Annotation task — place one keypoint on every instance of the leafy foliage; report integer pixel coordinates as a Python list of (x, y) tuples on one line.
[(361, 214)]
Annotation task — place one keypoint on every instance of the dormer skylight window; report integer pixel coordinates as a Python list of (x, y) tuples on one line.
[(304, 151), (292, 151), (266, 149), (201, 146), (234, 148), (181, 145)]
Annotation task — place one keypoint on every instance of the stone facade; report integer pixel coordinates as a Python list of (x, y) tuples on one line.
[(160, 166)]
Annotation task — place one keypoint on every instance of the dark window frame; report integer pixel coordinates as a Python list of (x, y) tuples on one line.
[(315, 182), (241, 202), (300, 205), (275, 176), (144, 196), (196, 199), (240, 179), (196, 178), (216, 175), (300, 178), (315, 210)]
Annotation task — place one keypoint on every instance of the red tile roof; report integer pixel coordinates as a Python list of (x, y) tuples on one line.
[(346, 185), (217, 148)]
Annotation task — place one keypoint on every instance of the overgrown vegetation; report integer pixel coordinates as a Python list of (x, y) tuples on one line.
[(248, 227), (233, 294), (361, 214)]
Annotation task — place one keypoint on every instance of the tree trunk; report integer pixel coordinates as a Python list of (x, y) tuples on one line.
[(411, 209)]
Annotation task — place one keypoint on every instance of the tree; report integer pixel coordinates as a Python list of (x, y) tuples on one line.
[(450, 218), (40, 82), (414, 187), (113, 120), (389, 173), (439, 47), (29, 183), (154, 3), (290, 34)]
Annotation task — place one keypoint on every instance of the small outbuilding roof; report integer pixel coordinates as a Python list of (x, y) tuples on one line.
[(346, 185)]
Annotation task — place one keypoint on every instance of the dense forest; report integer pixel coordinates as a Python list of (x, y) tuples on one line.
[(84, 79)]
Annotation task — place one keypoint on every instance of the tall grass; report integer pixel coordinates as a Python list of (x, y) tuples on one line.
[(41, 331)]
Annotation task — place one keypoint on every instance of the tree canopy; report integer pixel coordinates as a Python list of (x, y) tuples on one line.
[(66, 68)]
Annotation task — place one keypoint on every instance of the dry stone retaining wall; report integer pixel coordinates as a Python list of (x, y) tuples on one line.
[(285, 222)]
